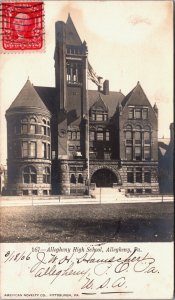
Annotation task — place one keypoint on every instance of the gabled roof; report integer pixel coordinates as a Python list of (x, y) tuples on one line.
[(72, 37), (28, 97), (111, 101), (136, 97), (99, 104)]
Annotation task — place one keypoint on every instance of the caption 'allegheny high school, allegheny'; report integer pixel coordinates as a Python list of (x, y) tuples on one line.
[(71, 140)]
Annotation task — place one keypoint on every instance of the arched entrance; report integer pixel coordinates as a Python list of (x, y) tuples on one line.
[(104, 178)]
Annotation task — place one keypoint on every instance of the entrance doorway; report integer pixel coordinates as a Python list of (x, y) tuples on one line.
[(104, 178)]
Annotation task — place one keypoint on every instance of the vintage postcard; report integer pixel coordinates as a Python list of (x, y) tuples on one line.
[(86, 152)]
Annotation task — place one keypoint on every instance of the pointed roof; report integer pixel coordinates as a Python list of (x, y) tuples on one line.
[(136, 97), (99, 103), (111, 101), (72, 37), (28, 97)]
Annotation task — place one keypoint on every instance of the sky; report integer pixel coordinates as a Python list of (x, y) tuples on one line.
[(128, 41)]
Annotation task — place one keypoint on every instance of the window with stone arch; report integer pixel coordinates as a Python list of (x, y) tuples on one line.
[(128, 135), (80, 178), (29, 174), (73, 179), (138, 135), (32, 126), (24, 125), (138, 143), (44, 127), (100, 134), (46, 175)]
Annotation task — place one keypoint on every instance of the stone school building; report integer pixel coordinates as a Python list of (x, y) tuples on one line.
[(69, 140)]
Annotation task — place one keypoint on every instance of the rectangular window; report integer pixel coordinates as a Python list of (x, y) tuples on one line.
[(24, 128), (44, 154), (138, 137), (130, 177), (33, 129), (107, 135), (48, 151), (105, 117), (43, 130), (78, 135), (24, 149), (138, 113), (25, 192), (32, 149), (69, 135), (147, 177), (129, 153), (48, 131), (71, 148), (147, 138), (74, 135), (99, 117), (93, 117), (79, 168), (147, 153), (139, 177), (92, 135), (139, 191), (148, 191), (53, 154), (72, 168), (100, 136), (131, 113), (138, 153), (130, 191), (145, 113), (34, 192)]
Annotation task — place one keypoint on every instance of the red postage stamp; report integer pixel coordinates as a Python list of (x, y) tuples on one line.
[(22, 25)]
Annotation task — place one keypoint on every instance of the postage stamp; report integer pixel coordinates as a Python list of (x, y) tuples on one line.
[(22, 26)]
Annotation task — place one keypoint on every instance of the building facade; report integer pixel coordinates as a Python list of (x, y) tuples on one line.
[(166, 163), (69, 140)]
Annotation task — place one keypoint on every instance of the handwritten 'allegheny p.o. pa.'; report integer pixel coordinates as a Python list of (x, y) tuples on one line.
[(87, 271)]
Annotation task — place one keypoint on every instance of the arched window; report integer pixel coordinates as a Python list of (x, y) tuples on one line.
[(73, 179), (100, 134), (33, 125), (138, 135), (80, 178), (46, 175), (128, 135), (24, 126), (29, 174)]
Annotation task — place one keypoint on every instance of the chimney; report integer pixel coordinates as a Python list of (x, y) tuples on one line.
[(106, 87), (171, 132), (100, 86), (155, 109)]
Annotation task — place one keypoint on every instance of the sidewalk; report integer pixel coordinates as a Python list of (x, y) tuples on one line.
[(61, 200)]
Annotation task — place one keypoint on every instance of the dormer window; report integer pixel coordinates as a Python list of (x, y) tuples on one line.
[(99, 116)]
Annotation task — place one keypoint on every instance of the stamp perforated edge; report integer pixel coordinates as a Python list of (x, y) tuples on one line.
[(27, 51)]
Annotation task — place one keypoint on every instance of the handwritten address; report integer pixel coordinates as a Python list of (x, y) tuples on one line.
[(96, 269)]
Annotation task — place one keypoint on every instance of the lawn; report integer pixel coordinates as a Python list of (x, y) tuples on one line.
[(136, 222)]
